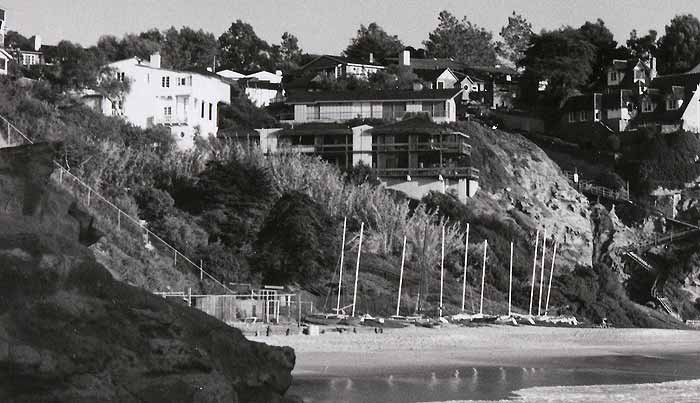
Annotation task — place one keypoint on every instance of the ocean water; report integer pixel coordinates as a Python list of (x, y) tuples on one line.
[(552, 381)]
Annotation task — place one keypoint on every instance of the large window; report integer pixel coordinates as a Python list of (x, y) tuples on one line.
[(165, 82), (393, 110), (434, 109), (647, 106), (572, 117), (613, 76), (211, 111)]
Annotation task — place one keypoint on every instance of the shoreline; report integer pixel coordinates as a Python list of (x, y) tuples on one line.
[(416, 349)]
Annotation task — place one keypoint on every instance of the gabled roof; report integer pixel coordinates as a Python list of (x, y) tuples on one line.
[(681, 86), (417, 124), (433, 74), (385, 95)]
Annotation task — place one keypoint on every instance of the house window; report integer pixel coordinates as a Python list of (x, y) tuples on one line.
[(182, 81), (165, 82), (168, 111), (572, 117), (613, 76), (120, 76), (671, 104), (582, 116), (508, 78), (639, 75), (647, 106), (440, 85), (596, 116), (3, 64), (475, 88), (211, 113), (202, 109)]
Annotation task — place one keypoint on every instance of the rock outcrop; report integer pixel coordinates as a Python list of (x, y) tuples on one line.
[(69, 332), (519, 181)]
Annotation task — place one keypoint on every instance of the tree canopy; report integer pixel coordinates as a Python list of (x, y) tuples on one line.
[(564, 58), (465, 42), (242, 49), (373, 39), (679, 48), (516, 38)]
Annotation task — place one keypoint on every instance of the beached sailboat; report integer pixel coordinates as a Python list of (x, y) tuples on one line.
[(481, 317)]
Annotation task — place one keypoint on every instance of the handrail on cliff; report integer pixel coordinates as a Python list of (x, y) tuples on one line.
[(119, 211)]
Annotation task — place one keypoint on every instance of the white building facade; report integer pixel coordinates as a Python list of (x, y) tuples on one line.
[(185, 102)]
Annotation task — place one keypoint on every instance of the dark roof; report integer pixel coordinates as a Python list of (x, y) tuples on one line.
[(578, 103), (418, 124), (680, 86), (431, 64), (314, 128), (341, 60), (255, 83), (385, 95)]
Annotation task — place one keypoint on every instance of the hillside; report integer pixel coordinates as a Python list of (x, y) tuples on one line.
[(70, 332)]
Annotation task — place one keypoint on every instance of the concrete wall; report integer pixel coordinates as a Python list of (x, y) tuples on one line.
[(268, 140), (417, 188), (362, 145), (691, 116)]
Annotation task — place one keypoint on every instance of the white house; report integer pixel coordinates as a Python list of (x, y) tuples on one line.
[(5, 58), (185, 102), (262, 87)]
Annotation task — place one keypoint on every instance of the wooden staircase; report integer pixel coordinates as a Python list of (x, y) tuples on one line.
[(655, 293)]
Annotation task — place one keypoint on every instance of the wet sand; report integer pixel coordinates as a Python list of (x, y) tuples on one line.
[(347, 354)]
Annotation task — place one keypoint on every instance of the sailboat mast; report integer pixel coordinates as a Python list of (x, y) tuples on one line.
[(483, 275), (342, 255), (442, 269), (357, 268), (544, 250), (403, 259), (551, 271), (534, 272), (464, 279), (510, 281)]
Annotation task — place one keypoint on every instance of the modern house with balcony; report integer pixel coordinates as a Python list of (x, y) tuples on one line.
[(414, 156), (438, 104), (185, 102)]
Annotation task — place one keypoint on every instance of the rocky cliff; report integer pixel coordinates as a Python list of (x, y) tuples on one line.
[(70, 332), (518, 181)]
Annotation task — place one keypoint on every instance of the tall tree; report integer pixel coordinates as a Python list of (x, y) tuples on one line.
[(465, 42), (642, 46), (109, 47), (679, 48), (290, 52), (598, 35), (242, 49), (134, 45), (516, 38), (564, 58), (373, 39), (188, 49)]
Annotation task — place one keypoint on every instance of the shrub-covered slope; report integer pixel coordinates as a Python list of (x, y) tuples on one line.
[(70, 332)]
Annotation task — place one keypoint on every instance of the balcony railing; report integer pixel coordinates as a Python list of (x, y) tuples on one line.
[(446, 172), (170, 120), (451, 147), (319, 148)]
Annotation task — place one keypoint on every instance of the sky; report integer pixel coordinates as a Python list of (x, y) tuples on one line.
[(325, 26)]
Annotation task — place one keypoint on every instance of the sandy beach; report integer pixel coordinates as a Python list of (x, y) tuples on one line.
[(336, 354)]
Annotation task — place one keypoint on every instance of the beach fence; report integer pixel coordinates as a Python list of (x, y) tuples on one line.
[(264, 305)]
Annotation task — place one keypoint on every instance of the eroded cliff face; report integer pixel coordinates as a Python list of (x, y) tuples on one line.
[(70, 332), (519, 181)]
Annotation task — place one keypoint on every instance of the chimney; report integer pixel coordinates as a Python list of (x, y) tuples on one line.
[(155, 60), (405, 58), (36, 41), (371, 58)]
